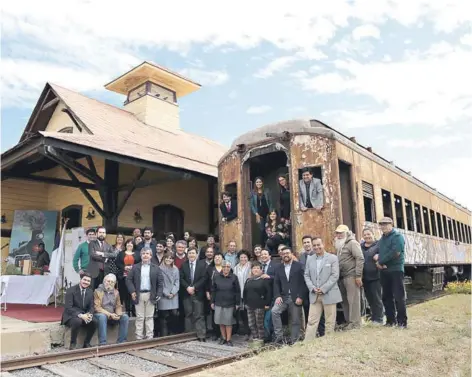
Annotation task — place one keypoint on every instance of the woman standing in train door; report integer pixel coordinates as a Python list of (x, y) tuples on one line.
[(261, 204)]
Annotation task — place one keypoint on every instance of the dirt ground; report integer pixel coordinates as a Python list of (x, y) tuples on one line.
[(436, 343)]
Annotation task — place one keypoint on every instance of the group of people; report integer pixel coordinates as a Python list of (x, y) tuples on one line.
[(167, 284)]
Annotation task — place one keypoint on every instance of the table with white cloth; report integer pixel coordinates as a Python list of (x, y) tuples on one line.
[(27, 289)]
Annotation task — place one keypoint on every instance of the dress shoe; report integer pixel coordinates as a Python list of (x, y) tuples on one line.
[(72, 346), (229, 343), (222, 341), (87, 345)]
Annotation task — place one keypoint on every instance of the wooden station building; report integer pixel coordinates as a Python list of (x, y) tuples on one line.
[(123, 168)]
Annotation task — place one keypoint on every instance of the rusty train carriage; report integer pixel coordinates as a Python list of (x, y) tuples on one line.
[(359, 187)]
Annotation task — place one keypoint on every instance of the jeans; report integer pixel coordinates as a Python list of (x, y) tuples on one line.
[(103, 321), (295, 310), (393, 297), (268, 327), (373, 294)]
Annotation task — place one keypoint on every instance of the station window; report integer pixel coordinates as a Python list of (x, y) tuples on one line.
[(419, 224), (369, 203), (409, 215), (232, 188), (399, 211), (387, 203), (317, 173), (447, 233), (432, 220), (427, 227)]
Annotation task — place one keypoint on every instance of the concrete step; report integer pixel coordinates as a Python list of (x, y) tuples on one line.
[(112, 334)]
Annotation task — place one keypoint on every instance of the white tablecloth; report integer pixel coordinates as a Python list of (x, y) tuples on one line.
[(31, 289)]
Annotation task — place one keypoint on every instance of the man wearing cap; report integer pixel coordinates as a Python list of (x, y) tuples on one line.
[(351, 266), (391, 263)]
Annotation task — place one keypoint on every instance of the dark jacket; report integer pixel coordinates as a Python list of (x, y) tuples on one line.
[(133, 281), (73, 305), (120, 262), (201, 254), (371, 272), (225, 291), (96, 261), (257, 293), (153, 246), (296, 284), (43, 259), (232, 213), (392, 251), (199, 279)]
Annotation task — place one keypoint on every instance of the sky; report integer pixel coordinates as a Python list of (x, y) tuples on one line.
[(394, 74)]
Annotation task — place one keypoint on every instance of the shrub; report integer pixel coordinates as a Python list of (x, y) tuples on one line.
[(459, 287)]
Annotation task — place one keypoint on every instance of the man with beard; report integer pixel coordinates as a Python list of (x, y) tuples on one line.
[(78, 311), (108, 310), (289, 291), (351, 266), (148, 241), (99, 251), (210, 242), (160, 248)]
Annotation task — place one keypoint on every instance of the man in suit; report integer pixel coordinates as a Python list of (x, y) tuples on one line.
[(78, 311), (151, 243), (228, 208), (321, 278), (192, 286), (289, 290), (268, 271), (99, 251), (310, 191), (145, 283)]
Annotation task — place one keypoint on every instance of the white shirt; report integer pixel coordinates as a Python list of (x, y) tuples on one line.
[(287, 270), (145, 277)]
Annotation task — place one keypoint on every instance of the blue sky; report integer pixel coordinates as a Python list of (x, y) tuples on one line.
[(395, 74)]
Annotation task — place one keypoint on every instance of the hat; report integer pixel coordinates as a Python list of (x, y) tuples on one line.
[(386, 220), (342, 229)]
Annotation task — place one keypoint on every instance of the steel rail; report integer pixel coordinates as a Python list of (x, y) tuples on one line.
[(85, 353)]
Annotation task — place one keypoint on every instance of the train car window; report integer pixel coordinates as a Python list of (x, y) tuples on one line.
[(369, 203), (317, 197), (469, 233), (456, 230), (432, 220), (232, 188), (463, 237), (399, 211), (418, 214), (387, 203), (409, 215), (447, 232), (427, 227), (450, 229), (440, 225)]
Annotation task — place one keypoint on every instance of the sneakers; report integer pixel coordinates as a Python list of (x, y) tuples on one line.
[(222, 341), (229, 343)]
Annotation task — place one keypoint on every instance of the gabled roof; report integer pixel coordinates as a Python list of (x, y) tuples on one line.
[(113, 129)]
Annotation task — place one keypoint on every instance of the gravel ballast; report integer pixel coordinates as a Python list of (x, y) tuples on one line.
[(138, 363), (175, 356), (32, 372), (86, 367)]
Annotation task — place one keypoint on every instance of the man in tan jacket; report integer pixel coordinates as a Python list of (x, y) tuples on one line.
[(108, 309), (351, 265)]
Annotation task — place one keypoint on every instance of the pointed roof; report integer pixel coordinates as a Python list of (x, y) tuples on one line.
[(110, 128)]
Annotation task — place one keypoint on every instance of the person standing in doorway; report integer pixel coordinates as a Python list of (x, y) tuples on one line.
[(371, 276), (228, 208), (310, 191), (145, 283), (391, 263), (284, 198), (261, 204)]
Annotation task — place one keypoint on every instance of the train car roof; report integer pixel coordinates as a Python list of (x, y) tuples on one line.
[(316, 127)]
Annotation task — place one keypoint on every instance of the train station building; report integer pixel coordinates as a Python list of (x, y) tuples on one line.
[(121, 167)]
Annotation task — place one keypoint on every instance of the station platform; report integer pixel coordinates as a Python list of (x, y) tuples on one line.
[(23, 337)]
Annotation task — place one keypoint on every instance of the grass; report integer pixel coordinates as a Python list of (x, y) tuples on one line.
[(462, 287), (437, 343)]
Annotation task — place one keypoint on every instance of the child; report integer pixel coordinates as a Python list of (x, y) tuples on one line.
[(257, 297)]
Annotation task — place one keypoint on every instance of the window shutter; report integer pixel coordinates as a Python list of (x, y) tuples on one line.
[(367, 190)]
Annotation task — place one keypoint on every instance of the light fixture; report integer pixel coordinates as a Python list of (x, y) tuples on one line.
[(137, 216), (165, 98), (4, 219), (90, 214)]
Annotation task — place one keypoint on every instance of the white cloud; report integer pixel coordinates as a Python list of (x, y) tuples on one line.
[(206, 78), (274, 66), (416, 90), (85, 38), (434, 141), (467, 39), (258, 109), (296, 109), (365, 31), (450, 178)]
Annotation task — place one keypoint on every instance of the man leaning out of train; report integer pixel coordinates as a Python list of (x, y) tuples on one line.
[(391, 263), (351, 266), (108, 310)]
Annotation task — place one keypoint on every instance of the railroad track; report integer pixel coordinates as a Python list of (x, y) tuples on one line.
[(176, 355)]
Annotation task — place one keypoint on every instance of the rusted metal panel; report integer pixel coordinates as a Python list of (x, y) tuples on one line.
[(310, 151), (229, 171)]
